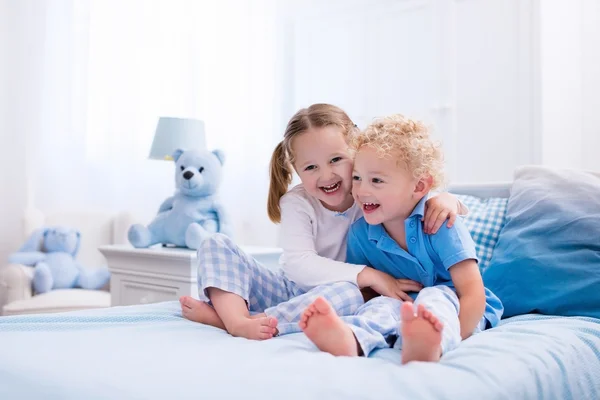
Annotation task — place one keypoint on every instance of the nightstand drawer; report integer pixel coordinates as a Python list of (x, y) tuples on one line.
[(133, 292)]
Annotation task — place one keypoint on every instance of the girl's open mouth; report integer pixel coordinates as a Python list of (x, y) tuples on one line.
[(331, 188)]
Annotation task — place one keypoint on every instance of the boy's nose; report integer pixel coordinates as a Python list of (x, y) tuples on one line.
[(360, 191)]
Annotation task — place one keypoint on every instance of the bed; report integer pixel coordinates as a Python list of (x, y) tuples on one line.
[(151, 352)]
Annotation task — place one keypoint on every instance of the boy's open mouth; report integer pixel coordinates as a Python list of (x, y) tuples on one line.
[(331, 188), (370, 207)]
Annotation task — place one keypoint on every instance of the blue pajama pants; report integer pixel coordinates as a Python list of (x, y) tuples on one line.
[(223, 265), (378, 321)]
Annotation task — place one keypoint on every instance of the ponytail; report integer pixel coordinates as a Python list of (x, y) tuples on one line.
[(281, 178)]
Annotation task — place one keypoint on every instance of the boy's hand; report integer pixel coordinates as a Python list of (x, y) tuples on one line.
[(438, 209)]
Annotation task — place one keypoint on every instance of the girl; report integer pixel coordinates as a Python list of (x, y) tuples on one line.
[(315, 217)]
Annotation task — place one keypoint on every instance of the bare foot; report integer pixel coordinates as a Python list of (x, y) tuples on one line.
[(199, 311), (421, 334), (327, 331), (255, 328)]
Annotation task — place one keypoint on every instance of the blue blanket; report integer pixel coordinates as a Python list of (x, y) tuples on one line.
[(151, 352)]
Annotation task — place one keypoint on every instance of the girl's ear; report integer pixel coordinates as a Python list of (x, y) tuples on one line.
[(423, 185)]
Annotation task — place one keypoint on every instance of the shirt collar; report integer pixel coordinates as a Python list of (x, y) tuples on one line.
[(419, 209), (376, 232)]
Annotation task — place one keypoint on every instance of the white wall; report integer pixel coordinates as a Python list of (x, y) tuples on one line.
[(591, 84), (464, 67), (503, 83), (570, 83)]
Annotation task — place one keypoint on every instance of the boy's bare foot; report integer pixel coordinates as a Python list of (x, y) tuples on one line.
[(199, 311), (255, 328), (327, 331), (421, 334)]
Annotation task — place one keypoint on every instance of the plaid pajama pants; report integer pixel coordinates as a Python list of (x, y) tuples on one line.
[(377, 323), (223, 265)]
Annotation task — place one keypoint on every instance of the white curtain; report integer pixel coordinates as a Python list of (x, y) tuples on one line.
[(111, 68)]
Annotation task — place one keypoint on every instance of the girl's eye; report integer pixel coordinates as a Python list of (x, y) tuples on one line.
[(356, 178), (182, 167), (376, 180), (336, 159), (310, 167)]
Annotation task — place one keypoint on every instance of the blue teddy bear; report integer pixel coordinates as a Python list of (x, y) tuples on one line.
[(194, 212), (52, 252)]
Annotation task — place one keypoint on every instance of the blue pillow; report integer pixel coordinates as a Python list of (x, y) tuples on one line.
[(484, 221), (547, 259)]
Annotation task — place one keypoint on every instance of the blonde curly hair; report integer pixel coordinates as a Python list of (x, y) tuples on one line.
[(408, 142)]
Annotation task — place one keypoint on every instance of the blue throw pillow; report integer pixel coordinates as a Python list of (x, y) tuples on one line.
[(484, 221), (547, 259)]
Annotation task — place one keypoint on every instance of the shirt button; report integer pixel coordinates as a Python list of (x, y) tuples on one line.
[(412, 224), (413, 240)]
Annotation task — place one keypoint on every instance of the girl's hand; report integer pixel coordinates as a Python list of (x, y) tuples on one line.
[(387, 285), (438, 209)]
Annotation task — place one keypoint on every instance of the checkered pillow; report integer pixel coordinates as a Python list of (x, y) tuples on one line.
[(485, 220)]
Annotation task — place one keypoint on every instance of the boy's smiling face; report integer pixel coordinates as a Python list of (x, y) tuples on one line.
[(383, 187)]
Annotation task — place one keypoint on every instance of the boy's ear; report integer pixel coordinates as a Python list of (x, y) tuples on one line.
[(423, 185)]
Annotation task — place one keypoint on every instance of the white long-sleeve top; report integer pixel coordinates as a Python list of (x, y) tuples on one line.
[(313, 240)]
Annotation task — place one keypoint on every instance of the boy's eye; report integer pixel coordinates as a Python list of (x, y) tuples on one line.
[(310, 167), (336, 159), (356, 178), (376, 180)]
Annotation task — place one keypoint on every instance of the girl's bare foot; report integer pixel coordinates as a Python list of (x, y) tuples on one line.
[(421, 334), (327, 331), (255, 328), (199, 311)]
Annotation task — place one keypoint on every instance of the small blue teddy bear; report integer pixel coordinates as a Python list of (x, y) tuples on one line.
[(194, 212), (52, 252)]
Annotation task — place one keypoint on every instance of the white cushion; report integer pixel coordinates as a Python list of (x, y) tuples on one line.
[(59, 300)]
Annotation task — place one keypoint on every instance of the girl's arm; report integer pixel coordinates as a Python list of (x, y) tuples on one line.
[(301, 262), (439, 208), (471, 295)]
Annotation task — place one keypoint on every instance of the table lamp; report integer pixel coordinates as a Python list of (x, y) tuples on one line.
[(177, 133)]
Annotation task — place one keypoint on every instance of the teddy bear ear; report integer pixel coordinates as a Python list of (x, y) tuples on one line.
[(220, 155), (176, 154)]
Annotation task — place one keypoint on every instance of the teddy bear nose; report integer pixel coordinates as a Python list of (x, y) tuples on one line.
[(188, 174)]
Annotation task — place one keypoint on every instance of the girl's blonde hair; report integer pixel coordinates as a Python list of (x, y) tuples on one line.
[(282, 160), (406, 140)]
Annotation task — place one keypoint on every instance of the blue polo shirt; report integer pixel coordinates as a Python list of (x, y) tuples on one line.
[(428, 259)]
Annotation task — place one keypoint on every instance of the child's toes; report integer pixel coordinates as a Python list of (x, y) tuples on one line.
[(427, 314)]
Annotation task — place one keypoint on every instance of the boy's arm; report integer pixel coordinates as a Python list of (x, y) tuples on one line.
[(471, 295), (456, 251)]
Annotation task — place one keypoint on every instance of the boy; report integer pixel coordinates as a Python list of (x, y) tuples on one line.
[(396, 166)]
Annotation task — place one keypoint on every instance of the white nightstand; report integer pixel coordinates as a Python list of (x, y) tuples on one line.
[(141, 276)]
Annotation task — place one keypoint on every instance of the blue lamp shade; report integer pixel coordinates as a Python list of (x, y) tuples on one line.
[(177, 133)]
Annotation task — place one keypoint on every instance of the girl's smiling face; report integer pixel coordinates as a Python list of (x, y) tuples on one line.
[(323, 163)]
